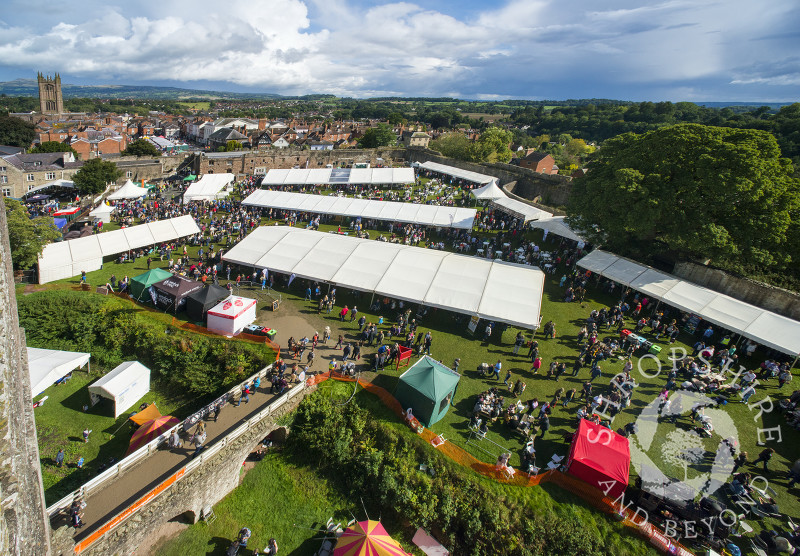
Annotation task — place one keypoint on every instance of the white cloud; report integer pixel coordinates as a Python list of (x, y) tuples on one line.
[(530, 48)]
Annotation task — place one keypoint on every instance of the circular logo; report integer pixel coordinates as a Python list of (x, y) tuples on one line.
[(695, 457)]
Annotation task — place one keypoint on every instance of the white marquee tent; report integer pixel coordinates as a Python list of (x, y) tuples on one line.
[(68, 258), (339, 176), (427, 215), (489, 191), (128, 191), (208, 188), (125, 385), (558, 226), (761, 326), (473, 177), (493, 290), (48, 365), (56, 183), (102, 213), (521, 210), (230, 316)]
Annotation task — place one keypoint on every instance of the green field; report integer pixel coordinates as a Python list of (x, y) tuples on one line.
[(200, 105)]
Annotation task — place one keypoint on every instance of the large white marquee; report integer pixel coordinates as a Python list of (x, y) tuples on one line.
[(339, 176)]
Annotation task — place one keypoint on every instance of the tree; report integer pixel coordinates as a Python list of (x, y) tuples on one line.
[(380, 136), (493, 145), (691, 192), (453, 145), (141, 147), (27, 236), (232, 145), (16, 132), (53, 147), (95, 175)]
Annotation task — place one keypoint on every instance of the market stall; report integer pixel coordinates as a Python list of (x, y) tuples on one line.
[(124, 386), (171, 294), (232, 315)]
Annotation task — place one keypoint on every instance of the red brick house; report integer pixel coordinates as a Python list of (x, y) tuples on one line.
[(539, 162)]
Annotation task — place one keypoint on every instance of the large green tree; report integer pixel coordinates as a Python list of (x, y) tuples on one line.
[(16, 132), (27, 235), (380, 136), (141, 147), (53, 147), (95, 175), (691, 192)]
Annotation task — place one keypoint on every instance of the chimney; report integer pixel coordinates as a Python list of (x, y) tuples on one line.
[(262, 124), (68, 157)]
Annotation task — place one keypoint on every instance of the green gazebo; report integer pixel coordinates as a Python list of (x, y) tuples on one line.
[(427, 387), (139, 284)]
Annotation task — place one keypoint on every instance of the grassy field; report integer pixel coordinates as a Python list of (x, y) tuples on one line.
[(452, 340), (200, 105)]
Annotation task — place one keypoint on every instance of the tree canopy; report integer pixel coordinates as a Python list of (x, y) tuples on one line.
[(53, 147), (94, 175), (27, 235), (692, 192), (141, 147), (491, 146), (380, 136), (16, 132)]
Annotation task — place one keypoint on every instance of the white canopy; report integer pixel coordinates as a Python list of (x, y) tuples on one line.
[(427, 215), (340, 176), (56, 183), (209, 187), (494, 290), (48, 365), (521, 210), (230, 316), (68, 258), (473, 177), (557, 225), (128, 191), (102, 210), (761, 326), (489, 191), (126, 385)]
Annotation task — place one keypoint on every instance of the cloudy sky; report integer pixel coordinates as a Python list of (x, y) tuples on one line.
[(700, 50)]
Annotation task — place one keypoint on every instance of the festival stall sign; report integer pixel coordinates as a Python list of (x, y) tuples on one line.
[(232, 315), (171, 294)]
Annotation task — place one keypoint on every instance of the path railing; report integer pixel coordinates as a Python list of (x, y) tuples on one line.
[(99, 482)]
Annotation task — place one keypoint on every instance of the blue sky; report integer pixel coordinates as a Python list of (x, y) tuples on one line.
[(697, 50)]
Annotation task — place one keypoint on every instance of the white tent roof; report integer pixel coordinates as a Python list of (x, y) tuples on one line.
[(128, 191), (125, 384), (102, 210), (68, 258), (48, 365), (521, 210), (557, 225), (57, 183), (332, 176), (209, 187), (489, 191), (755, 323), (498, 291), (474, 177), (428, 215)]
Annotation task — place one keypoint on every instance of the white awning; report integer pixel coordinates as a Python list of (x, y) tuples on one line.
[(56, 183), (466, 175), (427, 215), (128, 191), (761, 326), (48, 365), (521, 210), (498, 291), (69, 258), (557, 225), (208, 188)]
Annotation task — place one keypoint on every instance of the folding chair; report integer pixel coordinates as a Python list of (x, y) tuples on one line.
[(208, 515), (438, 441), (556, 458), (533, 471), (552, 466), (508, 475)]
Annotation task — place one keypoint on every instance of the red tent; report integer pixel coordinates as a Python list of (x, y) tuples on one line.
[(598, 456)]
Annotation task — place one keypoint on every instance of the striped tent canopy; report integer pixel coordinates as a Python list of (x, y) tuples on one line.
[(367, 538), (150, 431)]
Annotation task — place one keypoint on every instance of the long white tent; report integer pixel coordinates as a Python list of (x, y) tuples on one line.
[(68, 258), (466, 175), (125, 385), (208, 188), (521, 210), (762, 326), (426, 215), (339, 176), (494, 290), (48, 365)]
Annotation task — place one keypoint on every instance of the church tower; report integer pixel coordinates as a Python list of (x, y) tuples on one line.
[(50, 99)]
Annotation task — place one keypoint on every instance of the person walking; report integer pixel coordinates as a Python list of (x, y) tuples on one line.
[(764, 456), (353, 313), (519, 341), (507, 379), (496, 370), (60, 457), (86, 433)]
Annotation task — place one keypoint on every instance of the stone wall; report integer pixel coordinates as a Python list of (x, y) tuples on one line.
[(549, 191), (146, 168), (246, 162), (768, 297), (185, 499), (24, 526)]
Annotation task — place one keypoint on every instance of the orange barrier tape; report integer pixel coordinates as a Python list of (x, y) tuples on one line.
[(119, 518)]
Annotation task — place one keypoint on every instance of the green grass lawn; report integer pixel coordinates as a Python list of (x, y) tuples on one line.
[(452, 340), (276, 499), (61, 421)]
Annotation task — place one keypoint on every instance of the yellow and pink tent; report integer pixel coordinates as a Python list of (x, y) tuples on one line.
[(367, 538)]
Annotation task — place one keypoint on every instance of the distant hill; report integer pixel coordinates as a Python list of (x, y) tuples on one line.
[(29, 88), (772, 105)]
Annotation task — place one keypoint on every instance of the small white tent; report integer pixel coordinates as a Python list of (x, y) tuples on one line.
[(126, 385), (128, 191), (48, 365), (489, 191), (102, 213), (230, 316), (209, 187)]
